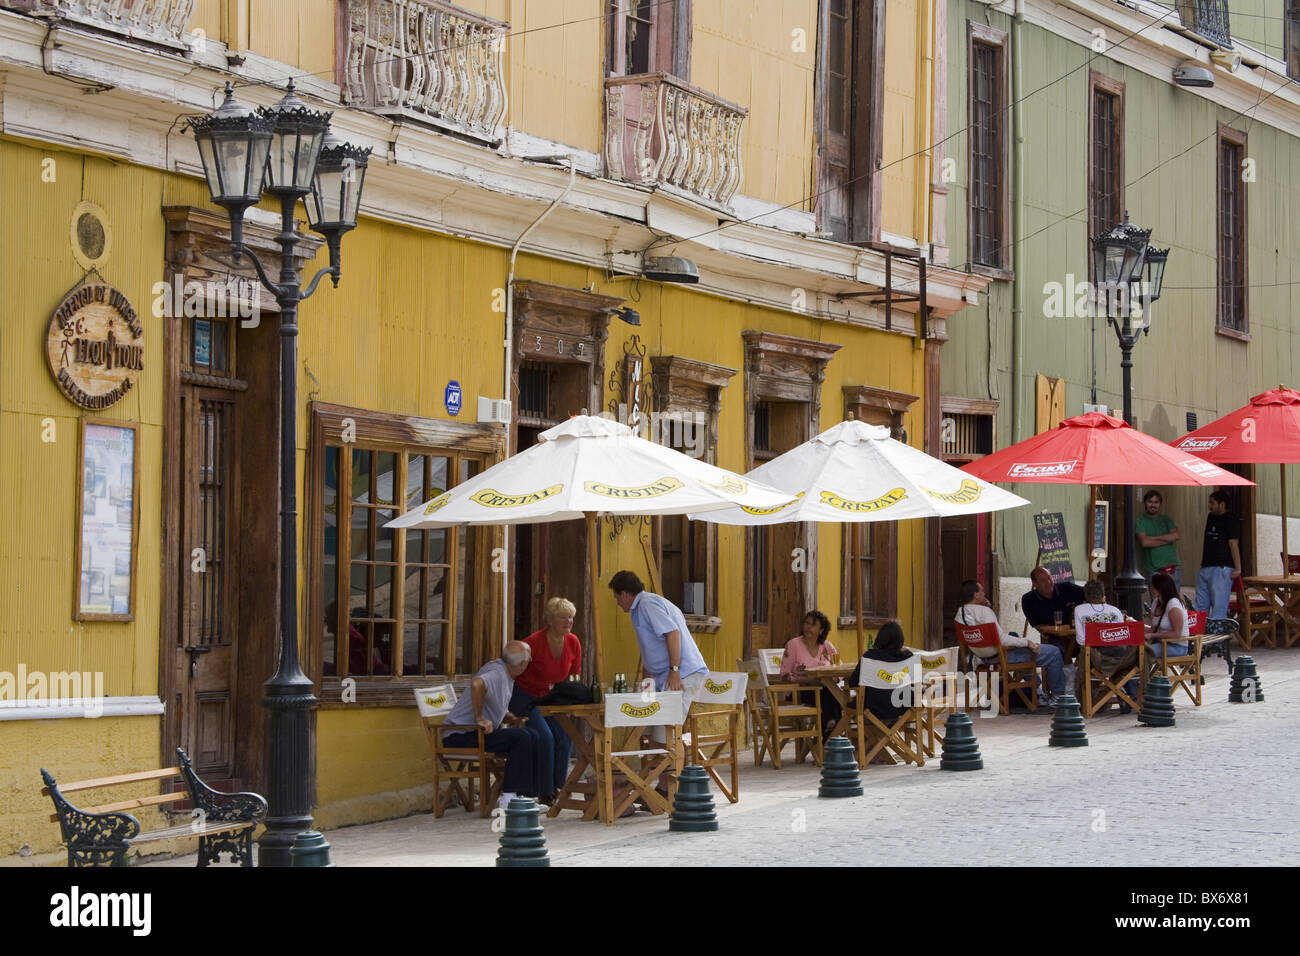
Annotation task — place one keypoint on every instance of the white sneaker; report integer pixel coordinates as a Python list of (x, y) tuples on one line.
[(504, 802)]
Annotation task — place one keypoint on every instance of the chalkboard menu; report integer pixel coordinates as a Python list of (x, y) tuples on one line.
[(1100, 525), (1053, 549)]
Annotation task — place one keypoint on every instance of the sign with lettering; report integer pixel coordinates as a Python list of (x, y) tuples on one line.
[(95, 346), (1053, 548)]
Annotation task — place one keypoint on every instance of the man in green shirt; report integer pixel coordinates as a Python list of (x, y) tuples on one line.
[(1156, 533)]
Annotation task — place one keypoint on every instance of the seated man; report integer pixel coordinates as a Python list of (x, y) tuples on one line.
[(975, 610), (1106, 660), (487, 705), (1046, 598)]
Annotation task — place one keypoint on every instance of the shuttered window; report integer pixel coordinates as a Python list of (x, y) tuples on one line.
[(988, 233), (1231, 220)]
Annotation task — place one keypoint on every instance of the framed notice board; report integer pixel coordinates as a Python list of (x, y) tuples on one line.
[(1099, 527), (1053, 548), (108, 458)]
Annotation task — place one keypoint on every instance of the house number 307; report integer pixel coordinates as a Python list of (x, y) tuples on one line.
[(559, 346)]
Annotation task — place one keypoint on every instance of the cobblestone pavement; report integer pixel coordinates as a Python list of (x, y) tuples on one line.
[(1224, 779)]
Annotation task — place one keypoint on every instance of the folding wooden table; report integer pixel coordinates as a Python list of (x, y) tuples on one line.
[(1283, 593)]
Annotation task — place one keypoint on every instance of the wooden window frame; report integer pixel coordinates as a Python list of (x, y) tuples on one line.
[(880, 591), (683, 386), (980, 34), (1227, 136), (1101, 83), (404, 435), (865, 204), (671, 33)]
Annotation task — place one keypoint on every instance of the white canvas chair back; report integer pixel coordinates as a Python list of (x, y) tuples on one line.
[(436, 700), (771, 658), (661, 709), (942, 661), (883, 675), (753, 668), (722, 687)]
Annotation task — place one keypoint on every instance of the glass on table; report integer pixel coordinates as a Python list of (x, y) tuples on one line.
[(1056, 618)]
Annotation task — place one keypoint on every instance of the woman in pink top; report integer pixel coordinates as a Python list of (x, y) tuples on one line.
[(811, 649)]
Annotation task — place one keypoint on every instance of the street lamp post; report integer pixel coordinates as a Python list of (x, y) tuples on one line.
[(286, 151), (1128, 270)]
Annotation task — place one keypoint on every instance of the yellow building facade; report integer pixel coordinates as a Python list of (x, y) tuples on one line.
[(530, 160)]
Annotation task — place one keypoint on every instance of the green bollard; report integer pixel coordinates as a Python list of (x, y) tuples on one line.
[(309, 849), (1067, 724), (1245, 687), (961, 750), (840, 776), (523, 843), (693, 805), (1158, 704)]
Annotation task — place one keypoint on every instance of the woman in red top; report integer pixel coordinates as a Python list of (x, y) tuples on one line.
[(557, 655)]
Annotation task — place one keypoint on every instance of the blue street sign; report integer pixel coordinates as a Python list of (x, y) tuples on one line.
[(452, 397)]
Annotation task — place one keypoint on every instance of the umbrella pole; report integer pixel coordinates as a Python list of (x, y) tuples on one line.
[(594, 571), (1286, 551), (857, 581)]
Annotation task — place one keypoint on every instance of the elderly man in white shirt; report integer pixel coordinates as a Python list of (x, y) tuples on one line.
[(975, 610)]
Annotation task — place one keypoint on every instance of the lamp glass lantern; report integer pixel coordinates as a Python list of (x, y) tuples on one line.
[(335, 196), (1117, 255), (234, 146), (298, 132)]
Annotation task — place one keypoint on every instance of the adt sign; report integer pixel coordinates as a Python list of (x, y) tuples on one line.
[(451, 397)]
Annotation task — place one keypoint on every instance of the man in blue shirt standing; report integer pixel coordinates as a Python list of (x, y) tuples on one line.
[(668, 652)]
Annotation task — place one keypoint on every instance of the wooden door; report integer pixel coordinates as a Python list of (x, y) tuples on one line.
[(205, 649), (959, 554)]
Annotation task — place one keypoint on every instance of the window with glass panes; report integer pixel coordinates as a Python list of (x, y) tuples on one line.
[(988, 147), (396, 602), (1106, 170), (1232, 232)]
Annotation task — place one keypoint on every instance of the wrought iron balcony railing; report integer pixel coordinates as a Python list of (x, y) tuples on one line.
[(426, 60), (661, 131), (1208, 18), (158, 21)]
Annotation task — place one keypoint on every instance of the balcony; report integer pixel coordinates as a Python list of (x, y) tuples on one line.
[(156, 21), (1208, 19), (428, 61), (660, 131)]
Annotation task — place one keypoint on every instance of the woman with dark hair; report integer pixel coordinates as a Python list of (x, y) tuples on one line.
[(888, 647), (1168, 617), (811, 649)]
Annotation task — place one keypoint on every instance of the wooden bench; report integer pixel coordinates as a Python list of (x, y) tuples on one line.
[(101, 835)]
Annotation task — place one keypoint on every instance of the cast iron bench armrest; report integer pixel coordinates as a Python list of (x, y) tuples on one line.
[(219, 807)]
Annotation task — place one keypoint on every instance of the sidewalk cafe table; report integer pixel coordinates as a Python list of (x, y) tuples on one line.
[(578, 793), (1283, 593), (1069, 647), (571, 718), (830, 677)]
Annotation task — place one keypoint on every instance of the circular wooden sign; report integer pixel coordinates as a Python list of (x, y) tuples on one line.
[(95, 346)]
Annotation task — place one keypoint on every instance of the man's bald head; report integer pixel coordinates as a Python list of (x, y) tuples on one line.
[(517, 656), (1042, 581)]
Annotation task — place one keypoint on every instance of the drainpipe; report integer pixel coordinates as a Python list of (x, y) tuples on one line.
[(510, 339), (1017, 226)]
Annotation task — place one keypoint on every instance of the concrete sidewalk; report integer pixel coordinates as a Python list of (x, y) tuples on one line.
[(1217, 788)]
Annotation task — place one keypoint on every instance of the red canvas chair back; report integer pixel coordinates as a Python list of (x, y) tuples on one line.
[(978, 635), (1292, 562), (1101, 634), (1196, 621), (1239, 588)]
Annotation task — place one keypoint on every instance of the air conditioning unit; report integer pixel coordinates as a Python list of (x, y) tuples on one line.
[(1090, 408), (493, 411)]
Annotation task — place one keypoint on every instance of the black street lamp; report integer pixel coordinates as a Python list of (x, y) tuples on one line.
[(285, 151), (1129, 271)]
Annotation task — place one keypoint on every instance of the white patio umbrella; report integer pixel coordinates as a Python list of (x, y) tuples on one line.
[(856, 473), (584, 466)]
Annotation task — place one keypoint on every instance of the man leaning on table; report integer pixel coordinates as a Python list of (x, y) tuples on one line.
[(975, 610), (668, 652)]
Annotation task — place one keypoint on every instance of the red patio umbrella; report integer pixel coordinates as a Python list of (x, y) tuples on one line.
[(1097, 449), (1266, 431)]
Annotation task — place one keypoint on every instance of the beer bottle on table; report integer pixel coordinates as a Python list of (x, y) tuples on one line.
[(595, 690)]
